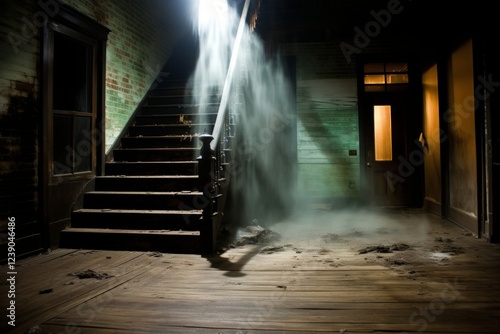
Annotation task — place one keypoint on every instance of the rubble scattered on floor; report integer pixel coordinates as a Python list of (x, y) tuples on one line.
[(396, 262), (273, 249), (256, 235), (33, 330), (440, 239), (399, 247), (155, 254), (449, 249), (332, 237), (90, 274), (384, 248), (45, 291)]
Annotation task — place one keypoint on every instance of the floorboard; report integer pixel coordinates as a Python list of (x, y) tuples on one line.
[(314, 279)]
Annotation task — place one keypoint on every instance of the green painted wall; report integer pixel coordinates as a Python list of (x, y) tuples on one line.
[(327, 122)]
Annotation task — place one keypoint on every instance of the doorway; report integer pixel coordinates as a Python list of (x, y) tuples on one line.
[(73, 109), (390, 134)]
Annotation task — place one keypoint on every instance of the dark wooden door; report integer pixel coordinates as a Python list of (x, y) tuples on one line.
[(392, 156)]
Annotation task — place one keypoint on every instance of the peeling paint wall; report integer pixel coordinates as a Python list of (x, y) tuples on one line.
[(19, 116)]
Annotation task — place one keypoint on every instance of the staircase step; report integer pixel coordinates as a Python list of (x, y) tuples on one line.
[(146, 183), (162, 99), (156, 154), (175, 119), (141, 200), (161, 141), (184, 109), (152, 168), (169, 129), (185, 242), (186, 220)]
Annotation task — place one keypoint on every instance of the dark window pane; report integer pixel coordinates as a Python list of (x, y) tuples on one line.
[(83, 144), (374, 68), (71, 75), (63, 148), (396, 67)]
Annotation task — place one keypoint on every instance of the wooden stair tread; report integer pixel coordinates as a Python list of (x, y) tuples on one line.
[(170, 125), (149, 177), (170, 162), (156, 149), (175, 115), (166, 193), (180, 105), (146, 212), (127, 231)]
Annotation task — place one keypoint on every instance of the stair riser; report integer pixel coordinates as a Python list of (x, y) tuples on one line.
[(175, 119), (152, 169), (125, 184), (163, 100), (169, 130), (160, 142), (183, 110), (112, 220), (142, 202), (152, 155), (131, 242), (174, 91)]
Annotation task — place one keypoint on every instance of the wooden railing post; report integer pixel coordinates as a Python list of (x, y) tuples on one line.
[(206, 172)]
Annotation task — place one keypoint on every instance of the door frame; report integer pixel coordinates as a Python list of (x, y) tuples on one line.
[(413, 121), (67, 19)]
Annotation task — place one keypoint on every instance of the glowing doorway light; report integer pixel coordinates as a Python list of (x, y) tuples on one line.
[(212, 11)]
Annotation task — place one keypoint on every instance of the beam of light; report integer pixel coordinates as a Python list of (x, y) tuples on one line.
[(212, 12)]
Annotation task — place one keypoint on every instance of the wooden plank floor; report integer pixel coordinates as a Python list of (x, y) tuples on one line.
[(312, 280)]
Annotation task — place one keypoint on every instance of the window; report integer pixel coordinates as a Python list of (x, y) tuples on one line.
[(385, 77), (383, 133), (72, 105)]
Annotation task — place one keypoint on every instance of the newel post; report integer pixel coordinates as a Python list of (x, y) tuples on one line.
[(206, 168)]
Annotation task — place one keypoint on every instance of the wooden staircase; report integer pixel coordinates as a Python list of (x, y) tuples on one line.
[(164, 188), (149, 198)]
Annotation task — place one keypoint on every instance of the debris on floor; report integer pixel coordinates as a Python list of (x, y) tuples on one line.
[(45, 291), (252, 235), (440, 239), (384, 248), (273, 249), (396, 262), (90, 274), (155, 254), (34, 330), (331, 237), (449, 249)]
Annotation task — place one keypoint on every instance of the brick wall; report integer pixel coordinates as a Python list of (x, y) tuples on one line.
[(143, 35)]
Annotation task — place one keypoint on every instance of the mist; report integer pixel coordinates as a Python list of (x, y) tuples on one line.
[(261, 104)]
